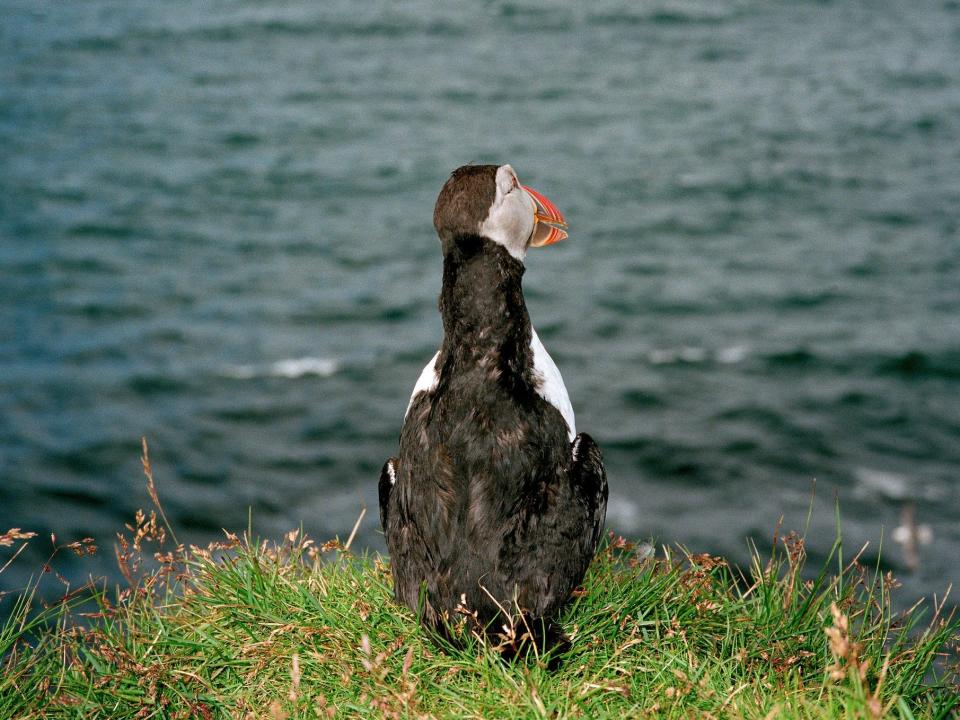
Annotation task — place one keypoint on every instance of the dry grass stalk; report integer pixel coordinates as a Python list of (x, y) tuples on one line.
[(7, 538), (152, 487), (849, 663), (294, 678)]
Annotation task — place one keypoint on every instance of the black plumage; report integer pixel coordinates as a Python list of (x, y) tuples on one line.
[(488, 506)]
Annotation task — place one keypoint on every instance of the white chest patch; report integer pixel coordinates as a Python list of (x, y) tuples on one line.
[(551, 387)]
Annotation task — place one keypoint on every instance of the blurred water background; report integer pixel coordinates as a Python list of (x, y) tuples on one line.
[(215, 231)]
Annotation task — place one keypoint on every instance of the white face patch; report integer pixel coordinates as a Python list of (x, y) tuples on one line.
[(510, 219)]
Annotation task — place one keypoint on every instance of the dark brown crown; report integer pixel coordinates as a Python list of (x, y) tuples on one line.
[(464, 201)]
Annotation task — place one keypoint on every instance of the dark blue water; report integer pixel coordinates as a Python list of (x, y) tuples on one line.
[(215, 231)]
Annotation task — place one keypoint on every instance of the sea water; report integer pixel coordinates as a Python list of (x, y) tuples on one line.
[(215, 232)]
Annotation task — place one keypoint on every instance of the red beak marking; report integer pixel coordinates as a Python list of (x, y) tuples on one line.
[(549, 224)]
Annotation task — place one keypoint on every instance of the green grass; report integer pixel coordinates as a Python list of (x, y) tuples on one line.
[(249, 629), (246, 629)]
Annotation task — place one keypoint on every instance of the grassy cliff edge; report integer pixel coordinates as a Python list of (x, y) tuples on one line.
[(292, 630), (253, 629)]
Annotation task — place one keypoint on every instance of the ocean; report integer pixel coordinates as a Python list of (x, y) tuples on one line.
[(215, 232)]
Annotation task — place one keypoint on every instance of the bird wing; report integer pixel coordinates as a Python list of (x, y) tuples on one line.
[(589, 479), (388, 478)]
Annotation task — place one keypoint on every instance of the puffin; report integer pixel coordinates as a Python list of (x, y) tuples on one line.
[(494, 504)]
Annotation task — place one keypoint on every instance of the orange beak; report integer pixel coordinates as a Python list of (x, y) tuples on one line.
[(549, 225)]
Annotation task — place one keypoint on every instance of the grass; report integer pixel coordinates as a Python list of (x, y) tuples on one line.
[(250, 629)]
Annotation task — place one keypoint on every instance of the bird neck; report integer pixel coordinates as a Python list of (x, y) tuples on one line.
[(484, 315)]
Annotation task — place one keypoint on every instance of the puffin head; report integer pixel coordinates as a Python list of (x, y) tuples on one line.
[(489, 201)]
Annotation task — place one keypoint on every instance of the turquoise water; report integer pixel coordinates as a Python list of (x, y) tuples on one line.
[(215, 231)]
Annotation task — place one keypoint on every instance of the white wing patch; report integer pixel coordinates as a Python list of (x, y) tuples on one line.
[(551, 387), (427, 381)]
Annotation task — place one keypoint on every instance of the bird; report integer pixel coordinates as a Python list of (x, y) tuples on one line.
[(494, 504)]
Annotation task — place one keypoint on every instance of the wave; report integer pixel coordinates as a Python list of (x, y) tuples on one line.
[(690, 355), (299, 367), (917, 364), (290, 368), (911, 364), (895, 487), (262, 29), (889, 485), (676, 16)]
